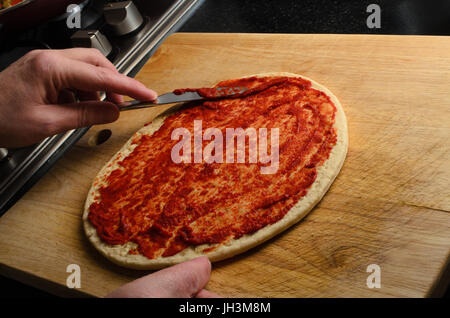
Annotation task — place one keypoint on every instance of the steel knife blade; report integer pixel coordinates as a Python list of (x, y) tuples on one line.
[(187, 96)]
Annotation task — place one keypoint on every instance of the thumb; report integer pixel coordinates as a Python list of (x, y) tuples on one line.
[(76, 115), (179, 281)]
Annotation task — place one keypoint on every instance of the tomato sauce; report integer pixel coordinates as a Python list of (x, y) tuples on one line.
[(165, 207)]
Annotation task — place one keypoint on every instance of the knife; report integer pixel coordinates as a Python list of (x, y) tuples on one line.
[(186, 96)]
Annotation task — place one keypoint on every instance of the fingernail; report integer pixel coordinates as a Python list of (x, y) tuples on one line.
[(155, 95), (207, 259)]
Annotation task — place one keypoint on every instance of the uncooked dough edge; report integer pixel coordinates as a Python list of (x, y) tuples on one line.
[(326, 174)]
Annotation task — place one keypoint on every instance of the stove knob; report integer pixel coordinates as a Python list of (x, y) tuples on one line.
[(92, 39), (123, 17), (3, 153)]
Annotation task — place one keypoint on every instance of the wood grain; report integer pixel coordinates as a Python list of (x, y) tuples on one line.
[(389, 206)]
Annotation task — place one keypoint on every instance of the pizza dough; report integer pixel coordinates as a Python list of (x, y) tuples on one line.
[(326, 173)]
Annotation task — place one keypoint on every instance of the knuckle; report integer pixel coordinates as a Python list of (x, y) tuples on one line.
[(97, 56), (44, 123), (82, 118), (104, 75), (33, 53), (96, 52), (46, 127), (42, 60)]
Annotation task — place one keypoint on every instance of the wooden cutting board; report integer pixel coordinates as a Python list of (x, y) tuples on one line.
[(389, 206)]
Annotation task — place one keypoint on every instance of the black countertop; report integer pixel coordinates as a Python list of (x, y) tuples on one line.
[(320, 16)]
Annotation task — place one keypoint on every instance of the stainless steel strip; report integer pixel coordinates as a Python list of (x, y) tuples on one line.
[(15, 185), (22, 166), (165, 25)]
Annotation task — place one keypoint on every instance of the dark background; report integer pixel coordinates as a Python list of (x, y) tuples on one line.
[(418, 17), (424, 17)]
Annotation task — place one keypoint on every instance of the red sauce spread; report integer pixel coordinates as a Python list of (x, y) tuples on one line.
[(9, 3), (165, 207)]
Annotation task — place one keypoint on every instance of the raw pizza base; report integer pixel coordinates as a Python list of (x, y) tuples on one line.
[(326, 174)]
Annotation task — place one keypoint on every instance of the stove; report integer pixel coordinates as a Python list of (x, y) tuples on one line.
[(126, 32)]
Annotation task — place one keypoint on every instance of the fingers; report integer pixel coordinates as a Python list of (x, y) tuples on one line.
[(179, 281), (94, 57), (88, 77), (83, 70), (58, 118), (114, 98), (92, 96), (91, 56)]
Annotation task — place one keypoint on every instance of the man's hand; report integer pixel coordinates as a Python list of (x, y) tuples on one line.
[(183, 280), (36, 94)]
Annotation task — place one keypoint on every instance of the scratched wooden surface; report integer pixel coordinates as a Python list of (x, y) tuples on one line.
[(389, 206)]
